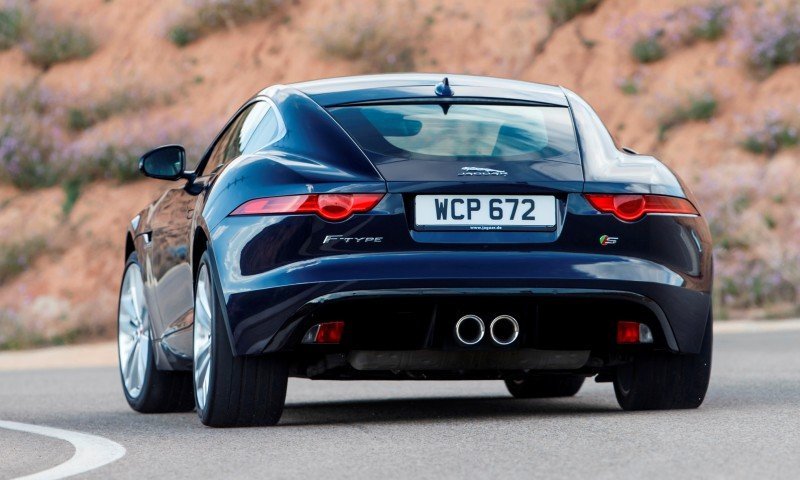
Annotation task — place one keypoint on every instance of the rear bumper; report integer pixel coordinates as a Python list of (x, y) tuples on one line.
[(267, 312)]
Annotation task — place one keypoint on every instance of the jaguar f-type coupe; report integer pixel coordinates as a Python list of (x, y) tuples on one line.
[(412, 227)]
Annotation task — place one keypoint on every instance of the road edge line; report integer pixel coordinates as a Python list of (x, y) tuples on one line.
[(91, 451), (725, 327)]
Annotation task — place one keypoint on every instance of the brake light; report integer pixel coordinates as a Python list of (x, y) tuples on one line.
[(330, 206), (633, 207)]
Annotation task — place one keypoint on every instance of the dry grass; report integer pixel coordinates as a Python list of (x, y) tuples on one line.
[(206, 16), (382, 40), (696, 106), (15, 258), (49, 43)]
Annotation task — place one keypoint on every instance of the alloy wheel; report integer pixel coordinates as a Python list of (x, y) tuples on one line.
[(134, 331), (203, 316)]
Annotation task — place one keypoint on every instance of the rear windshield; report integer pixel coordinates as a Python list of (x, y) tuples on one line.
[(461, 131)]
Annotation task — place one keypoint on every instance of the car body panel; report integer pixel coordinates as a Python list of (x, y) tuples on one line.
[(275, 271), (366, 88)]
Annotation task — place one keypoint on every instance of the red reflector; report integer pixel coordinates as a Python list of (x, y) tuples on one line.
[(633, 207), (330, 206), (627, 332), (329, 332)]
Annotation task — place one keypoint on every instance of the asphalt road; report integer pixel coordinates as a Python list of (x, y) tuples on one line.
[(749, 427)]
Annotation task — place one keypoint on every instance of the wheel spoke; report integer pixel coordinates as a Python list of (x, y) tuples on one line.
[(126, 326), (141, 360), (202, 301), (134, 298), (133, 371), (204, 362), (131, 357), (126, 307)]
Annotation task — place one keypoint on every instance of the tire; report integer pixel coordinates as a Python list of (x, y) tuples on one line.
[(666, 381), (545, 386), (230, 391), (147, 389)]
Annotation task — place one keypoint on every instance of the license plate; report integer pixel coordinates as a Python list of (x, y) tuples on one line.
[(485, 212)]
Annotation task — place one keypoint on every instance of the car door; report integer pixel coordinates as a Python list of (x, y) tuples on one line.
[(171, 224)]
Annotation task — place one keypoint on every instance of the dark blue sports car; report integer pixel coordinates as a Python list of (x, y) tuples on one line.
[(413, 227)]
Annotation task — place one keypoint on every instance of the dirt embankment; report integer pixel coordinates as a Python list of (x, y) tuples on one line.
[(67, 285)]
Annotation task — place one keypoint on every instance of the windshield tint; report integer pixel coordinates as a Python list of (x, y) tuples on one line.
[(460, 131)]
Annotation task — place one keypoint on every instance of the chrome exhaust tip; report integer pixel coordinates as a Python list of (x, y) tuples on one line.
[(470, 329), (504, 330)]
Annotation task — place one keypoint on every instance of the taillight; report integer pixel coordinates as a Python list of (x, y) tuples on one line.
[(330, 206), (633, 332), (630, 208), (328, 332)]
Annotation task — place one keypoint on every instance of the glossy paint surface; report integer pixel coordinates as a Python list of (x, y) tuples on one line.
[(273, 269), (345, 90), (666, 259)]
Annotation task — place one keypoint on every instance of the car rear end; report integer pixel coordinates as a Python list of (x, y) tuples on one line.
[(486, 253)]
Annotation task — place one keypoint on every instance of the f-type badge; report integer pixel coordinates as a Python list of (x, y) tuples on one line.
[(342, 238), (480, 172)]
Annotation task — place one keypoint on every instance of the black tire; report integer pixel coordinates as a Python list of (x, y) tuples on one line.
[(666, 381), (243, 390), (545, 386), (161, 391)]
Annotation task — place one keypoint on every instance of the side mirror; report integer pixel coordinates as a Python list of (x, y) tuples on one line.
[(164, 163)]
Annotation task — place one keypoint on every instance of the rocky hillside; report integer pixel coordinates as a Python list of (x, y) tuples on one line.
[(709, 87)]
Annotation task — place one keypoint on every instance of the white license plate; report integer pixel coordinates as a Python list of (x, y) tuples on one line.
[(485, 212)]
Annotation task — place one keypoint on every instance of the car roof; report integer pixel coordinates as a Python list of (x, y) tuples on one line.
[(392, 87)]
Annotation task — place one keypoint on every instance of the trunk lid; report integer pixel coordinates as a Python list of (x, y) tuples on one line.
[(468, 170)]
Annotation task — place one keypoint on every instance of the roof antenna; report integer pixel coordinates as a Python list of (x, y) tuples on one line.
[(443, 88)]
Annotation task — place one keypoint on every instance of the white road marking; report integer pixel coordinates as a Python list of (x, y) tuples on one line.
[(756, 326), (91, 451)]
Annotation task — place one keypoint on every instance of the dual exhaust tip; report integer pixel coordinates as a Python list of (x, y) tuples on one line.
[(470, 330)]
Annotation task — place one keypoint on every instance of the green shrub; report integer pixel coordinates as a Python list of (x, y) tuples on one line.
[(120, 100), (648, 49), (13, 20), (630, 85), (711, 22), (562, 11), (78, 119), (702, 107), (183, 34), (48, 44), (119, 162), (771, 135), (651, 37), (770, 37), (30, 139), (207, 16), (72, 191), (115, 154), (697, 106), (30, 164), (16, 257), (35, 151)]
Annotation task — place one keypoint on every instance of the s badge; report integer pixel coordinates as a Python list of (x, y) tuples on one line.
[(606, 240)]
